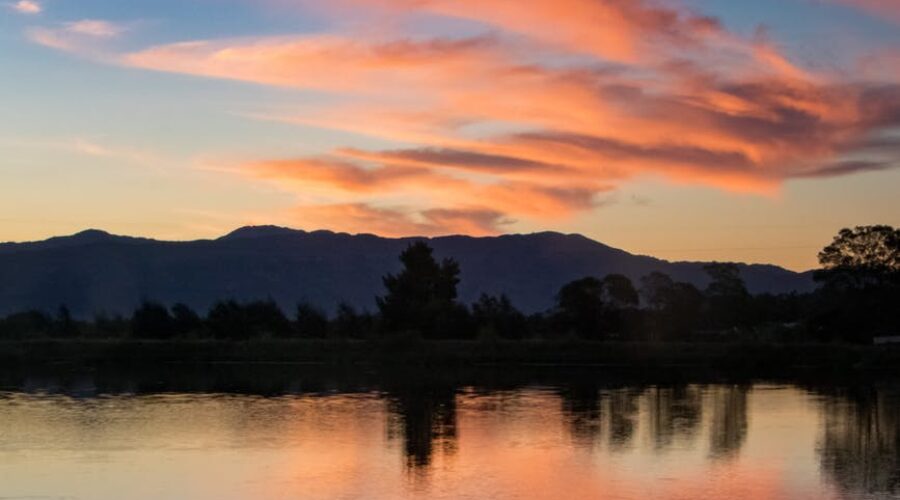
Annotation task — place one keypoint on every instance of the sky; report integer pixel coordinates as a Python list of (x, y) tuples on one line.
[(684, 129)]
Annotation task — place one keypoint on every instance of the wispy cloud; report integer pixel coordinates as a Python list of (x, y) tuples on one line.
[(521, 121), (94, 27), (26, 7), (399, 221), (85, 37)]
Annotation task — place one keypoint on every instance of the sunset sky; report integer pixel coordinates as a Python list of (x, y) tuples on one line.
[(686, 129)]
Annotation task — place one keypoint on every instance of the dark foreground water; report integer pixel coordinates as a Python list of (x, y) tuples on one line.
[(578, 436)]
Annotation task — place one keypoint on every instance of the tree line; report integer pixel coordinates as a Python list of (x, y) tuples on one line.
[(858, 297)]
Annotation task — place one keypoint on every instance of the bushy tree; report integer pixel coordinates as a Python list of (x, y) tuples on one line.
[(726, 296), (496, 316), (349, 323), (228, 320), (861, 285), (674, 308), (152, 321), (28, 324), (264, 317), (311, 322), (620, 305), (64, 325), (656, 290), (619, 292), (185, 320), (579, 307), (860, 257), (422, 297), (106, 326)]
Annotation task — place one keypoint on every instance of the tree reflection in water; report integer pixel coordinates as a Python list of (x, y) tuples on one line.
[(728, 428), (806, 441), (424, 417), (623, 411), (670, 414), (860, 444), (581, 409), (673, 412)]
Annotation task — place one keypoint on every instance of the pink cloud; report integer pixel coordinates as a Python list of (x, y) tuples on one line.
[(543, 114), (27, 7), (85, 38), (94, 27), (390, 221)]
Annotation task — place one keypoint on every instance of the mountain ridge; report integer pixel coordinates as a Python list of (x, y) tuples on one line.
[(95, 271)]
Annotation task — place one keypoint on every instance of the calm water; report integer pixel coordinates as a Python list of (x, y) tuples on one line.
[(325, 439)]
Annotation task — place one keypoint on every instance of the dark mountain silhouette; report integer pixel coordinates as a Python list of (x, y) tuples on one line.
[(94, 271)]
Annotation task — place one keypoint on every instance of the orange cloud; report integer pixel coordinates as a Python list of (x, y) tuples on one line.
[(328, 63), (389, 221), (620, 30), (526, 121), (338, 178)]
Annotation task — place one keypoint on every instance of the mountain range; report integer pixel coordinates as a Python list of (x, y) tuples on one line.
[(96, 272)]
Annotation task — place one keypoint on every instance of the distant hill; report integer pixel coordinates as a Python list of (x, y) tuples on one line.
[(94, 271)]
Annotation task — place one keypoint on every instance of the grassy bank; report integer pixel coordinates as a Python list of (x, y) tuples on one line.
[(752, 357)]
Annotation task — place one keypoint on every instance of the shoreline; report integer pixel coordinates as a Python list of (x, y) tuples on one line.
[(726, 356)]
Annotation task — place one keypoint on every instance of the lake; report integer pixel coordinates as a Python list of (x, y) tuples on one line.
[(287, 433)]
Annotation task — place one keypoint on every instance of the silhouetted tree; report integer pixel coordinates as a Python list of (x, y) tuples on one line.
[(861, 285), (579, 306), (28, 324), (454, 322), (152, 321), (620, 302), (422, 295), (235, 321), (264, 317), (184, 320), (656, 288), (106, 326), (727, 296), (860, 257), (350, 324), (228, 320), (674, 307), (496, 316), (311, 321), (619, 291), (65, 326)]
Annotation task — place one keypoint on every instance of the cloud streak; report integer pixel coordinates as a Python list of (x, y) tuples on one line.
[(519, 121), (26, 7), (95, 28), (84, 38)]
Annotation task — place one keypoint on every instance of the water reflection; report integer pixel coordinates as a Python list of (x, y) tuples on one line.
[(673, 412), (424, 418), (861, 440), (623, 411), (728, 429), (581, 407), (348, 434)]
